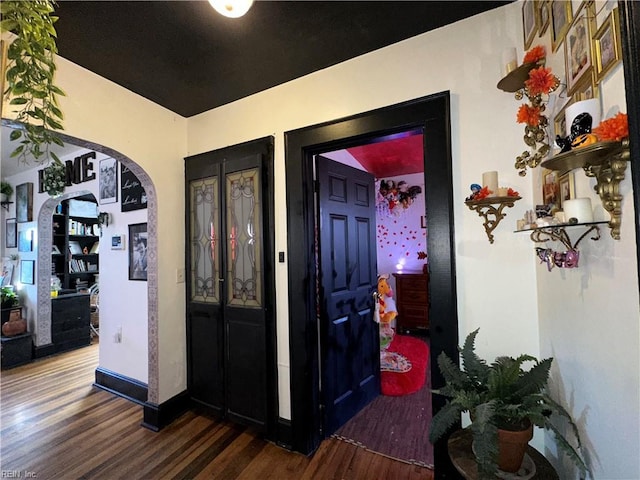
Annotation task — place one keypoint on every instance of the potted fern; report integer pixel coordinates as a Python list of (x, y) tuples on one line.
[(6, 190), (502, 397)]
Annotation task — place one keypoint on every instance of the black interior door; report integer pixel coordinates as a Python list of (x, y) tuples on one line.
[(230, 324), (349, 337)]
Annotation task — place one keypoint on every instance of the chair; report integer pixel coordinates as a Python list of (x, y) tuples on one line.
[(94, 303)]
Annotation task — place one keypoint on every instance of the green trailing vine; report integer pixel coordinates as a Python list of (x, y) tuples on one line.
[(30, 78)]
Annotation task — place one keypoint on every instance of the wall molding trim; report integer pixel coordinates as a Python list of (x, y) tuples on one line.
[(156, 417), (125, 387)]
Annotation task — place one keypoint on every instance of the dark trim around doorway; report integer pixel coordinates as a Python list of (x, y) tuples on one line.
[(431, 114)]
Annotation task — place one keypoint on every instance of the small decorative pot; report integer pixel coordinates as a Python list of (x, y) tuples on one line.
[(15, 326), (512, 447)]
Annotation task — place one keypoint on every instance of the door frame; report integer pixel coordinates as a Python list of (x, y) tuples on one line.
[(432, 115)]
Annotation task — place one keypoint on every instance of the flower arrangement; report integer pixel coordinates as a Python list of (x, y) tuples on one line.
[(54, 180), (615, 128), (541, 82), (393, 198)]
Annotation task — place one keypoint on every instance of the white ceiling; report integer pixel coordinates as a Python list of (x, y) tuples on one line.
[(11, 166)]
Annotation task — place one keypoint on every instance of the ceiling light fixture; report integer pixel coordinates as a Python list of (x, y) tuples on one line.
[(231, 8)]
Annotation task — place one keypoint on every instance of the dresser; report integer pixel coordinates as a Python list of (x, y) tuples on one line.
[(412, 301)]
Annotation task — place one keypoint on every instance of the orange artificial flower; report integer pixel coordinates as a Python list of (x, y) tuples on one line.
[(540, 81), (615, 128), (534, 55), (529, 115), (484, 192), (512, 193)]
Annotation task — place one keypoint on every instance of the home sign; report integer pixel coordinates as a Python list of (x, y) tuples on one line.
[(78, 170)]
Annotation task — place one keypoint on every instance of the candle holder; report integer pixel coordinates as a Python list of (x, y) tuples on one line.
[(491, 209)]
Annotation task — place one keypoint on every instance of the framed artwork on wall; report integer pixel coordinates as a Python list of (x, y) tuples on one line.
[(108, 183), (24, 241), (577, 48), (607, 45), (132, 193), (587, 88), (550, 188), (567, 187), (529, 23), (24, 202), (138, 251), (561, 16), (26, 271), (11, 233), (543, 15), (560, 122)]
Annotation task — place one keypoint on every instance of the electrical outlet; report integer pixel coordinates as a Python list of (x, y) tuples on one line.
[(180, 275)]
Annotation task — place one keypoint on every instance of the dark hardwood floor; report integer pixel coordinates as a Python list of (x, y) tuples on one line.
[(55, 424)]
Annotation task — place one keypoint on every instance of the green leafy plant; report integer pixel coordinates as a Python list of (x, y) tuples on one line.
[(9, 298), (30, 78), (501, 395), (6, 188)]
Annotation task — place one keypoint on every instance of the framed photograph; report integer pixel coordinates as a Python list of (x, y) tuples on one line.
[(543, 15), (550, 188), (138, 251), (567, 187), (529, 23), (26, 271), (24, 202), (587, 88), (25, 243), (561, 16), (577, 48), (108, 184), (607, 45), (7, 272), (11, 233), (560, 122)]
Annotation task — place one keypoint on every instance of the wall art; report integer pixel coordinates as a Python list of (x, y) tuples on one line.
[(24, 202), (138, 251), (25, 243), (577, 48), (108, 180), (11, 233), (561, 16), (26, 271), (132, 194), (607, 45), (529, 22)]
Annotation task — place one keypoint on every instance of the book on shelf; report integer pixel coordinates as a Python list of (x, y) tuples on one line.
[(95, 247), (75, 248), (55, 249)]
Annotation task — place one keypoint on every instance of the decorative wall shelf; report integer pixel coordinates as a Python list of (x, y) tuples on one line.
[(490, 209), (5, 205), (604, 161), (559, 233), (514, 80)]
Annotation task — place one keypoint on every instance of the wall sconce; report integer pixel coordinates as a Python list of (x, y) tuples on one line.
[(231, 8)]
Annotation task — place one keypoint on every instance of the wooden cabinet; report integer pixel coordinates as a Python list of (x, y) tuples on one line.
[(70, 317), (412, 301)]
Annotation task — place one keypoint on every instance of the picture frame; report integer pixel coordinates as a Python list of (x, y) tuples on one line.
[(132, 193), (11, 233), (25, 241), (7, 272), (108, 183), (24, 202), (587, 88), (606, 45), (550, 188), (529, 22), (26, 272), (138, 251), (561, 17), (567, 189), (543, 15), (560, 122), (577, 48)]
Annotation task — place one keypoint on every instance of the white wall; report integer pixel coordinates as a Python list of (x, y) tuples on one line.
[(587, 319), (123, 302)]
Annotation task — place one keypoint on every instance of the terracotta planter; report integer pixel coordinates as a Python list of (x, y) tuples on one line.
[(512, 447), (15, 326)]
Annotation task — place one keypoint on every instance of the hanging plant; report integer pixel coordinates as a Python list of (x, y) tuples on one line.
[(54, 178), (29, 76)]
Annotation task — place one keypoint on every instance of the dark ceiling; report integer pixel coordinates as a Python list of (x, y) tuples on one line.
[(186, 57)]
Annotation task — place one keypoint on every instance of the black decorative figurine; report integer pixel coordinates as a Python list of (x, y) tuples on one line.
[(581, 125)]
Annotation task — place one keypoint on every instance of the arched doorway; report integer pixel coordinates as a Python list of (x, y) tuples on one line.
[(43, 327)]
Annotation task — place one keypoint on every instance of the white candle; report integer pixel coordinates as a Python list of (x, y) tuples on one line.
[(579, 208), (490, 180), (509, 60)]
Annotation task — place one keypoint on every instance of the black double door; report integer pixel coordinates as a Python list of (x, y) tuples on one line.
[(230, 320)]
